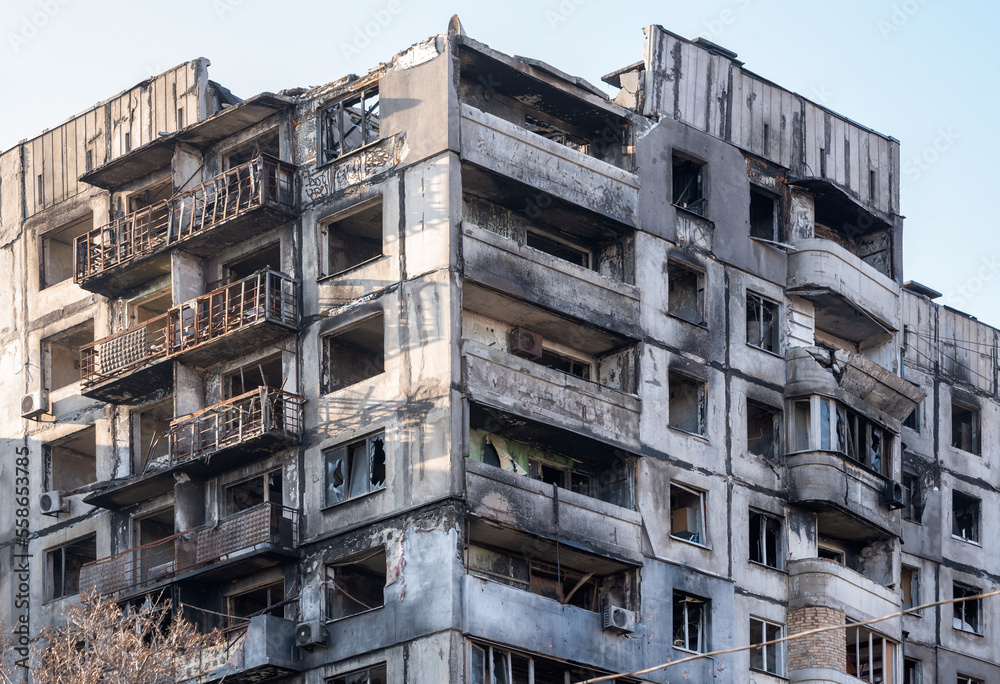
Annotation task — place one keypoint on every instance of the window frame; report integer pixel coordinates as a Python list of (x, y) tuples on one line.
[(956, 531), (702, 513), (763, 304), (328, 342), (367, 672), (975, 427), (348, 469), (913, 589), (763, 518), (777, 650), (327, 230), (960, 613), (330, 585), (52, 593), (675, 377), (776, 420), (701, 636), (673, 267), (699, 202), (913, 511), (336, 109), (889, 650)]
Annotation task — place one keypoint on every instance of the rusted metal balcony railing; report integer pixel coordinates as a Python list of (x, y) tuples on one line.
[(259, 529), (263, 182), (264, 296), (123, 240), (123, 352), (264, 411)]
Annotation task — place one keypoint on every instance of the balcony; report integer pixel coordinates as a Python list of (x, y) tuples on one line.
[(252, 312), (129, 366), (259, 651), (819, 581), (236, 546), (223, 436), (234, 205)]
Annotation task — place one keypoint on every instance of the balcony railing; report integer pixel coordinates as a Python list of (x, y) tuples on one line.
[(262, 182), (257, 529), (236, 421), (266, 295), (122, 352)]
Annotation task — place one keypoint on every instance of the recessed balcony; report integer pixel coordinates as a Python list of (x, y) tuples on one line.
[(258, 651), (235, 546), (129, 366)]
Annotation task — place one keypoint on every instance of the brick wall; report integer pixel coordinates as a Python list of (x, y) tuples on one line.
[(827, 650)]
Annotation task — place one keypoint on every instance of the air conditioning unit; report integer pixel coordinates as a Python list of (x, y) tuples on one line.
[(309, 634), (619, 620), (53, 503), (34, 404), (893, 494), (526, 344)]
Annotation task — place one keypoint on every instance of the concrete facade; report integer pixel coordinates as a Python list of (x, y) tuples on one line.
[(462, 371)]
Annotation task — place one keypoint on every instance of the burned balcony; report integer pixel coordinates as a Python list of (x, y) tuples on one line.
[(128, 366), (231, 433), (258, 651), (240, 202), (256, 310), (235, 546)]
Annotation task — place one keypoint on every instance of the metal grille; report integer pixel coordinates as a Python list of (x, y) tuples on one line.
[(257, 528), (121, 241), (119, 353)]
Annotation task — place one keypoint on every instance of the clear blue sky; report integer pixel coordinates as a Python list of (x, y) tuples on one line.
[(917, 70)]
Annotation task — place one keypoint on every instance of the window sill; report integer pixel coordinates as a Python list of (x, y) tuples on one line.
[(331, 620), (333, 276), (766, 351), (968, 453), (967, 631), (692, 543), (347, 155), (687, 650), (703, 325), (972, 542), (765, 672), (329, 507), (327, 393), (767, 567), (700, 437)]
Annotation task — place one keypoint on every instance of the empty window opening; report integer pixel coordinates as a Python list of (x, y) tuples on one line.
[(265, 144), (150, 196), (688, 184), (62, 567), (909, 586), (180, 117), (355, 354), (355, 584), (354, 239), (912, 421), (71, 463), (870, 656), (914, 509), (968, 613), (264, 373), (763, 430), (763, 215), (686, 293), (150, 306), (261, 489), (766, 539), (89, 160), (566, 364), (490, 665), (57, 250), (766, 657), (61, 362), (40, 188), (266, 257), (965, 427), (690, 618), (563, 249), (355, 469), (762, 323), (688, 514), (767, 139), (260, 601), (844, 431), (348, 125), (128, 141), (154, 560), (912, 671), (802, 424), (150, 444), (822, 163), (871, 186), (687, 403), (371, 675), (965, 517)]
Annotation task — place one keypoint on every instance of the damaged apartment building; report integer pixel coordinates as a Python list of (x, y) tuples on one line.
[(464, 371)]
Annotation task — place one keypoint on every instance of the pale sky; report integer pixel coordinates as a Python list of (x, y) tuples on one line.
[(912, 69)]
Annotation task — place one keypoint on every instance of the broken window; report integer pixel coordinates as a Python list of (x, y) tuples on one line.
[(147, 307), (57, 250), (766, 657), (765, 539), (690, 616), (909, 585), (687, 403), (561, 248), (688, 514), (686, 293), (830, 552), (354, 354), (689, 192), (803, 424), (257, 490), (490, 665), (348, 125), (968, 612), (355, 584), (844, 431), (259, 601), (154, 561), (763, 430), (966, 679), (150, 444), (763, 215), (61, 355), (912, 421), (353, 237), (914, 509), (268, 257), (355, 469), (264, 373), (911, 671), (762, 323), (371, 675), (965, 427), (965, 517), (267, 143), (62, 566), (71, 462), (566, 364), (870, 656)]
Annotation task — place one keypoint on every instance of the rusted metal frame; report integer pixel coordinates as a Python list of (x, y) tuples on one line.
[(90, 354), (120, 240)]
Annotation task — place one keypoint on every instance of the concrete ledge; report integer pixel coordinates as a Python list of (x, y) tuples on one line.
[(817, 581), (821, 675)]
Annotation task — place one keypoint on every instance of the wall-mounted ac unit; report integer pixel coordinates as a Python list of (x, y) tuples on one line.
[(619, 620), (309, 634), (34, 404), (53, 503), (893, 494), (525, 343)]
